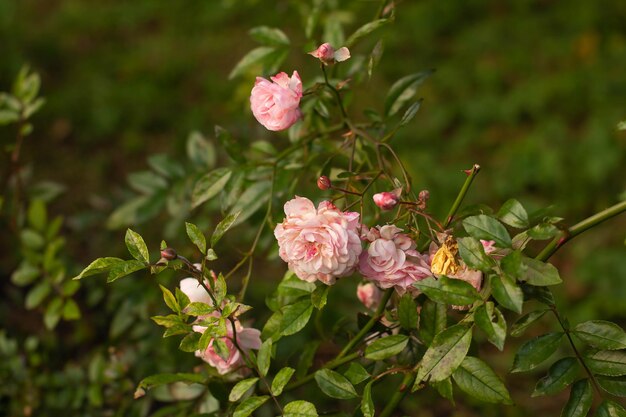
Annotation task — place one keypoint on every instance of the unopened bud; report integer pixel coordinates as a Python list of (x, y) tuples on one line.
[(387, 199), (424, 195), (328, 55), (323, 183), (169, 254)]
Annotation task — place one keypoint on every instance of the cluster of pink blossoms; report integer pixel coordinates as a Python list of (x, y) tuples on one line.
[(247, 338), (324, 244)]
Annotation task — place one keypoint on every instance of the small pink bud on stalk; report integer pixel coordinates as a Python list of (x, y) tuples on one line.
[(327, 54), (323, 183), (387, 199), (168, 254)]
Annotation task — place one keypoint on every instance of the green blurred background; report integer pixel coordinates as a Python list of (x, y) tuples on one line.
[(530, 90)]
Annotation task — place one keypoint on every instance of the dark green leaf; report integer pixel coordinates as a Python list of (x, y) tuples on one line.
[(209, 185), (511, 264), (241, 388), (492, 322), (403, 91), (562, 373), (190, 342), (280, 380), (541, 294), (251, 200), (248, 406), (507, 293), (610, 409), (614, 386), (448, 290), (223, 227), (367, 404), (334, 384), (445, 354), (539, 273), (196, 236), (487, 228), (295, 317), (433, 319), (526, 321), (363, 31), (580, 399), (601, 334), (444, 388), (473, 253), (477, 379), (269, 36), (410, 113), (264, 357), (319, 297), (356, 373), (252, 58), (386, 347), (535, 351), (407, 312), (300, 409), (543, 231), (163, 379), (607, 362), (136, 246), (124, 268), (513, 214)]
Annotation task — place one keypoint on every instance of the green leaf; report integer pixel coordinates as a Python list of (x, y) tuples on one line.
[(473, 253), (492, 322), (386, 347), (196, 236), (221, 348), (367, 404), (356, 373), (526, 321), (614, 386), (374, 58), (136, 246), (513, 214), (334, 384), (53, 313), (539, 273), (541, 294), (219, 289), (610, 409), (507, 293), (25, 274), (511, 264), (70, 310), (410, 113), (404, 90), (295, 317), (535, 351), (264, 357), (248, 405), (280, 380), (487, 228), (209, 185), (37, 294), (241, 388), (32, 239), (363, 31), (477, 379), (444, 388), (562, 373), (169, 299), (445, 354), (433, 319), (607, 362), (181, 298), (601, 334), (190, 342), (292, 286), (163, 379), (407, 312), (251, 200), (124, 268), (319, 297), (269, 36), (300, 409), (252, 58), (37, 215), (199, 309), (543, 231), (200, 151), (580, 399), (223, 227), (448, 290)]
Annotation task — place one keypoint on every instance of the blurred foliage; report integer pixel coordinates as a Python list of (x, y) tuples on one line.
[(530, 90)]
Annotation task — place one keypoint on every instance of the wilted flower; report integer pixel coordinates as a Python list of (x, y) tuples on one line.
[(275, 104), (391, 259), (327, 54), (318, 244), (488, 246), (369, 294)]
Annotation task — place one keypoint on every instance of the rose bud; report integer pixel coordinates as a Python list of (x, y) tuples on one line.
[(387, 199), (327, 54), (168, 254), (323, 183), (369, 294)]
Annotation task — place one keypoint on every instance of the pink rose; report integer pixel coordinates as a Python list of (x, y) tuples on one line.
[(391, 259), (247, 338), (387, 199), (369, 294), (318, 244), (327, 54), (275, 104)]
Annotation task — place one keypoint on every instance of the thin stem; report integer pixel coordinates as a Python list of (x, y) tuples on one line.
[(405, 174), (344, 115), (328, 365), (459, 198), (397, 396), (372, 321), (580, 227)]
